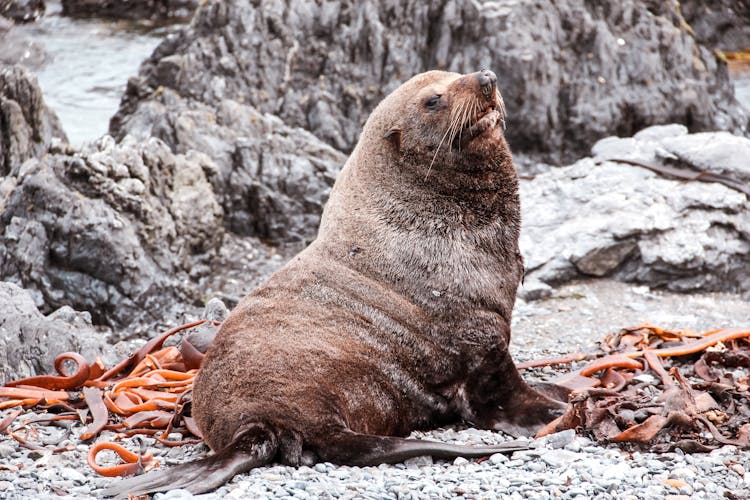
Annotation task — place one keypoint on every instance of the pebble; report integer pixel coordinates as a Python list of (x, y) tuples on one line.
[(561, 439), (72, 475), (6, 450)]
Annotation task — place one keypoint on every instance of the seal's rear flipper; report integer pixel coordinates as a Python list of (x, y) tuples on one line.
[(362, 449), (255, 447)]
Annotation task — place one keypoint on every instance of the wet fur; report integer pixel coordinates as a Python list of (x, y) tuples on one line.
[(397, 317)]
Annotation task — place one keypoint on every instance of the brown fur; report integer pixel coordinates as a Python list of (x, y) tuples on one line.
[(397, 317)]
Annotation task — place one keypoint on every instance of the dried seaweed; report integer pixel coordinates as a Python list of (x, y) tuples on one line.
[(685, 390)]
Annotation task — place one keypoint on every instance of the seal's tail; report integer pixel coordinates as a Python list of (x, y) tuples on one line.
[(362, 449), (256, 446)]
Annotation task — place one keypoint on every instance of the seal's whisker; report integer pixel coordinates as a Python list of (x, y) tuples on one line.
[(437, 150), (464, 118), (459, 123), (451, 125)]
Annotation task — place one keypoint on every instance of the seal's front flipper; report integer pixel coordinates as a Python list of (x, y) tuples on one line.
[(523, 415), (554, 391), (350, 448), (255, 447)]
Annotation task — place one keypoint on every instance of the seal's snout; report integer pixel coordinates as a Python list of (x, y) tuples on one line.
[(487, 83)]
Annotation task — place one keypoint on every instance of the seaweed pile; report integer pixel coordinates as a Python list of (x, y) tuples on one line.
[(661, 389)]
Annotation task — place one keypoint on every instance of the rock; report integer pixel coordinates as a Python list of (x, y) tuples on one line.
[(129, 9), (22, 11), (125, 231), (600, 218), (27, 125), (723, 24), (17, 48), (30, 341), (273, 179), (716, 152), (571, 71)]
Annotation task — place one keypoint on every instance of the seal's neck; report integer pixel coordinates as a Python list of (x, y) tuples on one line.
[(467, 191)]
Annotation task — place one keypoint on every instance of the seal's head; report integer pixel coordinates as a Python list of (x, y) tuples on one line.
[(443, 119)]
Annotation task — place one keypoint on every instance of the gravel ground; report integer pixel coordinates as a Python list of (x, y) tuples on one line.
[(560, 466)]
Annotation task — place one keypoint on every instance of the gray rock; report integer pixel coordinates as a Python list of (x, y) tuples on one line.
[(715, 152), (124, 231), (27, 125), (571, 72), (30, 341), (22, 11), (129, 9), (17, 48), (723, 24), (272, 179), (599, 218), (719, 153), (560, 439)]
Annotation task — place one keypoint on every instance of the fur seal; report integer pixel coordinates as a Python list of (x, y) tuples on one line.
[(396, 318)]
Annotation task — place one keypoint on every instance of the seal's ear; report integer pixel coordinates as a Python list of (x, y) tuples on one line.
[(394, 136)]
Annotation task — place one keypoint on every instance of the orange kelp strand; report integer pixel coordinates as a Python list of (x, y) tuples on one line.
[(611, 361), (722, 335), (560, 360), (99, 412), (62, 382), (26, 393), (151, 345), (134, 464)]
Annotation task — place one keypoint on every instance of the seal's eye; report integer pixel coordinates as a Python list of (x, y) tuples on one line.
[(432, 102)]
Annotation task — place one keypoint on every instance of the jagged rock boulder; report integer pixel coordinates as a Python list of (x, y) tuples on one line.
[(17, 48), (27, 125), (723, 24), (124, 231), (571, 71), (718, 153), (129, 9), (30, 341), (273, 179), (602, 218), (22, 11)]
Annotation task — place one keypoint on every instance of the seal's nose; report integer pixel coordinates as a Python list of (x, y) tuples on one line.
[(487, 82)]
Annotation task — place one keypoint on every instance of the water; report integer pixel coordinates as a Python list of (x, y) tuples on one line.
[(88, 63)]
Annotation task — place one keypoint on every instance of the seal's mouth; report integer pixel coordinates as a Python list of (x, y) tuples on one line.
[(490, 117)]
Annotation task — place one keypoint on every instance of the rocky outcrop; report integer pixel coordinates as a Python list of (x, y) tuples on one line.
[(30, 341), (721, 24), (129, 9), (603, 218), (16, 48), (571, 72), (273, 179), (27, 125), (22, 11), (123, 231)]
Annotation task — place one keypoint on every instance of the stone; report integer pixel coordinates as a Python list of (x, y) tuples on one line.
[(272, 179), (18, 48), (721, 24), (22, 11), (129, 9), (30, 341), (74, 232), (571, 72), (27, 126), (603, 218)]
